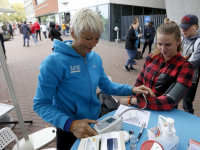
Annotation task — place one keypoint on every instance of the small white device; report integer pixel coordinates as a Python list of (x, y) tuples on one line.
[(109, 124), (126, 136), (113, 123)]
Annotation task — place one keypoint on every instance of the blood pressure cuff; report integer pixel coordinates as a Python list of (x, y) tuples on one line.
[(176, 91)]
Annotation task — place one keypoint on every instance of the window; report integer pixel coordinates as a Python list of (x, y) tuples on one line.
[(38, 2), (103, 13), (126, 10), (138, 10), (148, 11)]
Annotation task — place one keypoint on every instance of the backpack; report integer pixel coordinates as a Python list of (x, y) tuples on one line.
[(108, 103)]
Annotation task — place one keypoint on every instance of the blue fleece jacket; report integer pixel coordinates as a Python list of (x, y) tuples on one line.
[(71, 80)]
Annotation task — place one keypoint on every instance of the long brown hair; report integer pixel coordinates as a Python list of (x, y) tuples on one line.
[(169, 28)]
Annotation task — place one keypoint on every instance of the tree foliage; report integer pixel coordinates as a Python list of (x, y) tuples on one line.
[(18, 16)]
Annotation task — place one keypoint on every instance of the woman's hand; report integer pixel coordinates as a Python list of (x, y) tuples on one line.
[(81, 128), (143, 90), (139, 35)]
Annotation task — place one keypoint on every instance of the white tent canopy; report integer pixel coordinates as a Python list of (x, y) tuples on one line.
[(7, 10)]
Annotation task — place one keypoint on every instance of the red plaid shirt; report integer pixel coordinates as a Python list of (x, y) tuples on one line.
[(159, 75)]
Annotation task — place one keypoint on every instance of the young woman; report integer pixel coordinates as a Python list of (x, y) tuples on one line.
[(130, 45), (165, 71), (69, 77)]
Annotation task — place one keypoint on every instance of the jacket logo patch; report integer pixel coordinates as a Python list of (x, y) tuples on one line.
[(94, 66), (75, 68)]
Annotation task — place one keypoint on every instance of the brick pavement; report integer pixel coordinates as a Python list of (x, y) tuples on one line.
[(23, 64)]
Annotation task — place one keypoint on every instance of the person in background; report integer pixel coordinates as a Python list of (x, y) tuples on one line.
[(10, 30), (15, 28), (2, 43), (149, 34), (4, 28), (44, 30), (163, 70), (32, 28), (25, 30), (74, 65), (37, 29), (54, 33), (64, 29), (191, 35), (132, 40), (58, 27)]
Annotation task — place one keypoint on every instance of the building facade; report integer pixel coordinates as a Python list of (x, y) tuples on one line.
[(46, 11), (116, 13), (177, 9), (30, 15)]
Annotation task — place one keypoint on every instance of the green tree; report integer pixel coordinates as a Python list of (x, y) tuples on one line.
[(20, 14), (4, 4)]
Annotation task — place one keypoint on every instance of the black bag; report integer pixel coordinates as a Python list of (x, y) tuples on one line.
[(108, 103), (138, 55)]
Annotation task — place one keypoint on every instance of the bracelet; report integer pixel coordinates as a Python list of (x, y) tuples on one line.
[(130, 100)]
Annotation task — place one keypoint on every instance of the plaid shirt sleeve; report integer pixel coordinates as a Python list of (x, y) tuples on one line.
[(164, 102), (139, 80)]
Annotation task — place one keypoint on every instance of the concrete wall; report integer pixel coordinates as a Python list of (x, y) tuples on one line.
[(176, 9), (143, 3), (77, 4)]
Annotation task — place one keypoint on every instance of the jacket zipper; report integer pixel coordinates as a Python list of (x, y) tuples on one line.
[(90, 85)]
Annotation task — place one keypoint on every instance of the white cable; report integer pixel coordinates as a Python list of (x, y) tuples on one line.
[(135, 108)]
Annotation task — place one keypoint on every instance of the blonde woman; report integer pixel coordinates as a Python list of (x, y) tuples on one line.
[(69, 78)]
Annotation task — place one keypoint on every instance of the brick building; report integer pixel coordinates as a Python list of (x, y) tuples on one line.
[(46, 10)]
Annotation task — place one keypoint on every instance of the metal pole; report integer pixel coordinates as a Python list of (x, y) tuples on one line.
[(12, 94)]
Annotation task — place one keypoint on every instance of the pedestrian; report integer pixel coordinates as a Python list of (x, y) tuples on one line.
[(54, 33), (25, 30), (165, 71), (19, 26), (4, 28), (191, 51), (10, 30), (149, 34), (64, 29), (32, 28), (132, 40), (15, 28), (73, 65), (44, 30), (58, 27), (2, 44), (37, 29)]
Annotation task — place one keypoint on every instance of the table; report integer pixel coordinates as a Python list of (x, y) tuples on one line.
[(5, 114), (187, 127)]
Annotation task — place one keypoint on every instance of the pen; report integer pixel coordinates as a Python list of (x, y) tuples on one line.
[(141, 131)]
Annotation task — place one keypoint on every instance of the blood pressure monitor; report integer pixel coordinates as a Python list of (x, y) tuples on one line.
[(109, 124)]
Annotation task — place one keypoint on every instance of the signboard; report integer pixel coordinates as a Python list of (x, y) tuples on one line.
[(146, 19)]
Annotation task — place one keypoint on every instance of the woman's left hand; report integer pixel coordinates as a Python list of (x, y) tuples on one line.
[(143, 90)]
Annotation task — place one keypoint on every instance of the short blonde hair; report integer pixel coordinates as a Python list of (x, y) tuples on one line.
[(86, 20)]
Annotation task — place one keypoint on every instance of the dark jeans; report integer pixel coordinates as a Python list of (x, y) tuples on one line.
[(45, 35), (26, 36), (65, 140), (38, 32), (145, 45), (189, 98), (131, 54)]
